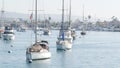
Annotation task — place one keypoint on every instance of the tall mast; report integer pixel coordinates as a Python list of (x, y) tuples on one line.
[(36, 21), (62, 15), (2, 5), (70, 14), (2, 13), (83, 20), (83, 13)]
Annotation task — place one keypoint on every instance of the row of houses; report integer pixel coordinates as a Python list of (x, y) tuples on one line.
[(113, 25)]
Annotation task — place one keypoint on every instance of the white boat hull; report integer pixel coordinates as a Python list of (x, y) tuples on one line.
[(38, 55), (8, 36), (63, 45), (64, 42)]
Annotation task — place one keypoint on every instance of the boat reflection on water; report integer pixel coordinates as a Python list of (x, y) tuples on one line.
[(63, 58), (40, 64)]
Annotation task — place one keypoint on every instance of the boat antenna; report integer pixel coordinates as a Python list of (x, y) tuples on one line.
[(35, 20)]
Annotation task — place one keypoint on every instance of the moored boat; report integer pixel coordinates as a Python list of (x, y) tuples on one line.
[(64, 39), (38, 50), (8, 33)]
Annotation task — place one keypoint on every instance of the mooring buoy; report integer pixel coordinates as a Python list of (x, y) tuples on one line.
[(9, 51)]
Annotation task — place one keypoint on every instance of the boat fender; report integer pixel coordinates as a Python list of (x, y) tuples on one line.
[(30, 61), (11, 45), (9, 51)]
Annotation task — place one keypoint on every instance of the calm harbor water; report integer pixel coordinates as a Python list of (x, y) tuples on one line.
[(95, 50)]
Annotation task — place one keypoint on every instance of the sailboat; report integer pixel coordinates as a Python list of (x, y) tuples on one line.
[(83, 32), (46, 30), (83, 27), (8, 33), (64, 41), (21, 28), (40, 49), (73, 33)]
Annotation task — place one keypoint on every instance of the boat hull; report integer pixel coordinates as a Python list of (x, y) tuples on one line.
[(63, 45), (83, 33), (47, 32), (38, 55), (64, 40), (8, 36), (1, 32)]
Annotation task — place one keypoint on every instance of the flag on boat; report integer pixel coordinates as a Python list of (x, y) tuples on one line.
[(31, 16)]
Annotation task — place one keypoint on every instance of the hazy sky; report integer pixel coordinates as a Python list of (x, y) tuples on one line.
[(98, 8)]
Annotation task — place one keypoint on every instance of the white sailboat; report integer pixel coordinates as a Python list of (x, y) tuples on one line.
[(64, 39), (8, 33), (38, 50)]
